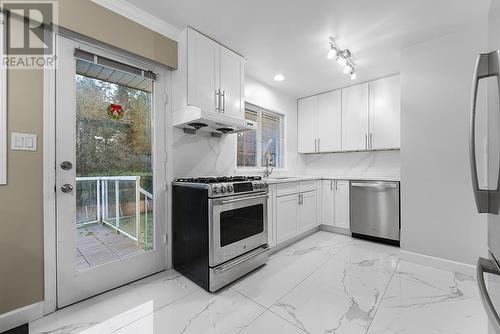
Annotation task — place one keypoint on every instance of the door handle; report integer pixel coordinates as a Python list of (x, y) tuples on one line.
[(487, 266), (243, 199), (66, 188), (375, 185), (487, 65)]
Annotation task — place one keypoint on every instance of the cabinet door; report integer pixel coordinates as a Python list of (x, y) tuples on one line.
[(355, 118), (307, 124), (232, 73), (330, 121), (203, 71), (308, 211), (327, 203), (286, 217), (385, 113), (342, 204)]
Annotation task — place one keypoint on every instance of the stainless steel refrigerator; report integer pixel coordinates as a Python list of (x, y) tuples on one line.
[(486, 181)]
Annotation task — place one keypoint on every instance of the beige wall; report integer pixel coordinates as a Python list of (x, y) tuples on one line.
[(21, 201), (21, 225)]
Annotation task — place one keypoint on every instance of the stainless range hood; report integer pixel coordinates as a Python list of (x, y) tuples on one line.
[(192, 119)]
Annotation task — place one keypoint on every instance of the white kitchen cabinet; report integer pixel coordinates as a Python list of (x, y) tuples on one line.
[(307, 124), (286, 217), (203, 67), (308, 210), (341, 204), (385, 113), (328, 203), (232, 72), (355, 118), (209, 76), (330, 122), (319, 126)]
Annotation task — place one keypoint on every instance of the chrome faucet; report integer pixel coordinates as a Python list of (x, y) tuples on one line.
[(269, 159)]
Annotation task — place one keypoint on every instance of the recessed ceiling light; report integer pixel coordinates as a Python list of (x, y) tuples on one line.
[(279, 77)]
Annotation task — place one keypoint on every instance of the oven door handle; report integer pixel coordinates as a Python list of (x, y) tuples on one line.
[(243, 199)]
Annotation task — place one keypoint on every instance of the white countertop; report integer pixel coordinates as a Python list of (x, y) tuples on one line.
[(286, 179)]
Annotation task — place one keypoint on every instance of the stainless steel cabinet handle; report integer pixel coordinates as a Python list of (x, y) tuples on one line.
[(66, 188), (217, 100), (375, 185), (371, 141), (366, 141), (223, 103), (486, 66), (331, 184), (319, 144), (487, 266), (243, 199)]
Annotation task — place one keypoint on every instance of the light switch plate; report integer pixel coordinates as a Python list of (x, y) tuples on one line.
[(23, 142)]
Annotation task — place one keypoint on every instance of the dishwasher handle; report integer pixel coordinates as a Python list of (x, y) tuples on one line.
[(374, 185)]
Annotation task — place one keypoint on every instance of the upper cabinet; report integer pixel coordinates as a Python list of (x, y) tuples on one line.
[(320, 123), (357, 118), (385, 113), (209, 77)]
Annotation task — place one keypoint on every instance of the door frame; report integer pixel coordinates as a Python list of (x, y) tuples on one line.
[(49, 165)]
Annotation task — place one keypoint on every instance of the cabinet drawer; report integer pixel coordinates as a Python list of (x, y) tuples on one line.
[(287, 188), (307, 186)]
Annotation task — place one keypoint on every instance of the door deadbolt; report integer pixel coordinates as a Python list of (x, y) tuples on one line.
[(67, 188), (66, 165)]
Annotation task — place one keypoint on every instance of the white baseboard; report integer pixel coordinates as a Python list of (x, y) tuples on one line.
[(334, 229), (20, 316), (438, 263)]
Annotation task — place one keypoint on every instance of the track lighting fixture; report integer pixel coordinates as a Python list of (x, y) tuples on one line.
[(343, 58)]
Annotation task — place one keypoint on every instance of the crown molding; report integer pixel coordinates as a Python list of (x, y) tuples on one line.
[(141, 17)]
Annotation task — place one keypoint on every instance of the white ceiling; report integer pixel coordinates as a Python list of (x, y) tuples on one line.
[(291, 36)]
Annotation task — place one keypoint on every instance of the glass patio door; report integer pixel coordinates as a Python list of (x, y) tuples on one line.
[(110, 170)]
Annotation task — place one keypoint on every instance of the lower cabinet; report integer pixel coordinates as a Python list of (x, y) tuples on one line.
[(295, 209), (286, 217), (335, 203)]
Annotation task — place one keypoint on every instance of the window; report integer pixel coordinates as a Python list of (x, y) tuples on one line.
[(255, 146)]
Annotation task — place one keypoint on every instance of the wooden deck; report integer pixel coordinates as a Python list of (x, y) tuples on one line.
[(98, 244)]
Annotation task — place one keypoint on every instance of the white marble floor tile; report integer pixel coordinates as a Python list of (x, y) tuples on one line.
[(324, 243), (414, 308), (370, 256), (201, 312), (338, 298), (117, 308), (271, 323), (269, 283), (454, 282)]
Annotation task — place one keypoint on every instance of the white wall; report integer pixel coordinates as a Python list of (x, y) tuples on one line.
[(196, 155), (439, 217)]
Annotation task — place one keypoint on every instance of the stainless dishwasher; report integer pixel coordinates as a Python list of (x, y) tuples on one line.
[(375, 210)]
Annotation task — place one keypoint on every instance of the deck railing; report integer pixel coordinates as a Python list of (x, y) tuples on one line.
[(102, 190)]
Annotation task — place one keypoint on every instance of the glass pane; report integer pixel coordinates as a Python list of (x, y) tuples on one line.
[(247, 144), (271, 139), (239, 224), (114, 185)]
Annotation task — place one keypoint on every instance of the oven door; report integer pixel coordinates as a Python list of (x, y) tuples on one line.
[(238, 225)]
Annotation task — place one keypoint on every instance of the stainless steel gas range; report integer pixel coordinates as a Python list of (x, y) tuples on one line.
[(219, 228)]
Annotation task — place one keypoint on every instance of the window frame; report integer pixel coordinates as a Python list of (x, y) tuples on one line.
[(260, 168), (3, 108)]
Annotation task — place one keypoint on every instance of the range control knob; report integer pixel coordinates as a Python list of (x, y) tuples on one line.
[(255, 185), (223, 189), (229, 189), (264, 185), (215, 190)]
